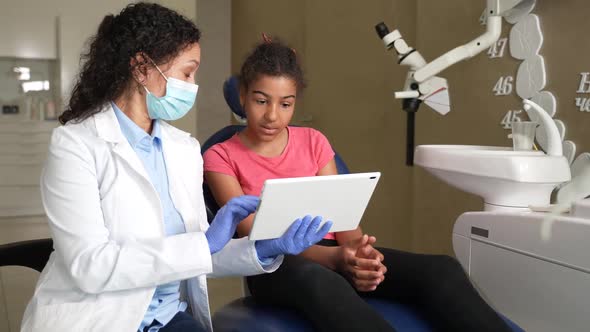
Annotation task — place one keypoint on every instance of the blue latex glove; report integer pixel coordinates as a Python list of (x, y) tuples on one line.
[(226, 220), (302, 234)]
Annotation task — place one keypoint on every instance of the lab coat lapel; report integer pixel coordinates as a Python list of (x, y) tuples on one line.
[(175, 155), (108, 129), (125, 152)]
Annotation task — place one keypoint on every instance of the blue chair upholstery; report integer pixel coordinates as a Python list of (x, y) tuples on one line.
[(231, 93), (244, 314)]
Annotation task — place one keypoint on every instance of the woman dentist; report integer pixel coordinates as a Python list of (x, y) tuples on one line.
[(122, 192)]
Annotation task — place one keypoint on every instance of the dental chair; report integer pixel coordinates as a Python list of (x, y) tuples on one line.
[(244, 314)]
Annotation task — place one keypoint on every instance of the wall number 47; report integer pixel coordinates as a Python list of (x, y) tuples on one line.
[(497, 49), (511, 116)]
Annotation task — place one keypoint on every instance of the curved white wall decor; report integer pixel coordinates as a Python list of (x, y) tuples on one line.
[(519, 11), (531, 77), (569, 150), (546, 100), (581, 163), (526, 37)]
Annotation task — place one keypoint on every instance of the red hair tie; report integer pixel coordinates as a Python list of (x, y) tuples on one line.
[(267, 39)]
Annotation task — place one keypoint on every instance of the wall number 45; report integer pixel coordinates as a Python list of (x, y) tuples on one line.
[(511, 116), (504, 86)]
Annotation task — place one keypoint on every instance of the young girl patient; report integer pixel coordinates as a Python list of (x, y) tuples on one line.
[(327, 282)]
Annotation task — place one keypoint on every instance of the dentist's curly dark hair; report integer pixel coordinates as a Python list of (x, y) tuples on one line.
[(147, 29), (271, 57)]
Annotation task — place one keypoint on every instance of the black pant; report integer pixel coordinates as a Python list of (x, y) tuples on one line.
[(435, 285), (181, 322)]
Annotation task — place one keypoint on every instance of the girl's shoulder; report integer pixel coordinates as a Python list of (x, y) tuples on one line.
[(227, 147), (305, 131), (307, 134)]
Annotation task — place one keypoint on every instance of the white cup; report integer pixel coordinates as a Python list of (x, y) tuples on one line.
[(523, 135)]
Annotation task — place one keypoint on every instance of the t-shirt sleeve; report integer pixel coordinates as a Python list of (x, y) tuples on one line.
[(323, 151), (216, 159)]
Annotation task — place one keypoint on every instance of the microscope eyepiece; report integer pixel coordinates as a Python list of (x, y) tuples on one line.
[(382, 30)]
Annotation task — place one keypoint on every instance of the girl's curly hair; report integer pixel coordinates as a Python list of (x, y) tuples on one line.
[(273, 58), (140, 28)]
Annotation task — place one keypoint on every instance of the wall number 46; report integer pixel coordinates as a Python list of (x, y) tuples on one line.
[(504, 86), (511, 116)]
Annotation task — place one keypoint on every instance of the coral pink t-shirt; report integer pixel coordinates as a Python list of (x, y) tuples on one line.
[(306, 153)]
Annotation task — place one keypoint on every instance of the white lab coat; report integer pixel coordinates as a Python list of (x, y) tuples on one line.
[(107, 226)]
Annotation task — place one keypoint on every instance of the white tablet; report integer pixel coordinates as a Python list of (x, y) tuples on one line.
[(339, 198)]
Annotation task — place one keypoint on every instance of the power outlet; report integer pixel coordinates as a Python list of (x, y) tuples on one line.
[(10, 109)]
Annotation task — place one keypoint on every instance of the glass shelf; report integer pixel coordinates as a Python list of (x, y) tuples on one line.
[(29, 89)]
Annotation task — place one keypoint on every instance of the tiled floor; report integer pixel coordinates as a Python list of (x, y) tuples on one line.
[(17, 283), (3, 313)]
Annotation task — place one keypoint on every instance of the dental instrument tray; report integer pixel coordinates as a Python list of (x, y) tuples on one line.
[(339, 198)]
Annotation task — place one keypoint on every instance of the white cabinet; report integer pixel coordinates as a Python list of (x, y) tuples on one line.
[(23, 147)]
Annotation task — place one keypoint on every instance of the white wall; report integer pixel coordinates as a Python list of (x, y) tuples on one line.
[(27, 29)]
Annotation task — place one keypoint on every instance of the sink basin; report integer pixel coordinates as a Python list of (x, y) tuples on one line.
[(502, 177)]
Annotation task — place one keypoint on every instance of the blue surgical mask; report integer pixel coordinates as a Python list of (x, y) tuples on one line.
[(179, 98)]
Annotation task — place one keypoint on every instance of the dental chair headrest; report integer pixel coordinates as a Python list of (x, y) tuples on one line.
[(231, 92)]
